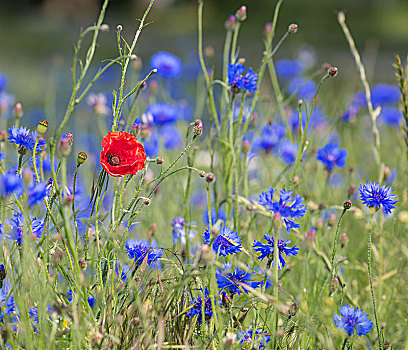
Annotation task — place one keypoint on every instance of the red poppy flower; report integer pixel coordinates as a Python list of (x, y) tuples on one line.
[(122, 154)]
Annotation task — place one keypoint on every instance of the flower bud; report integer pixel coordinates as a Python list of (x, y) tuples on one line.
[(198, 127), (245, 146), (333, 285), (386, 345), (226, 300), (105, 27), (344, 240), (3, 136), (351, 190), (146, 201), (268, 28), (347, 205), (293, 28), (293, 309), (332, 219), (27, 176), (241, 60), (82, 264), (241, 14), (42, 126), (159, 160), (68, 199), (65, 146), (82, 156), (18, 110), (319, 223), (202, 173), (22, 150), (210, 178), (310, 238), (332, 71), (387, 173), (207, 255), (209, 51), (119, 28), (230, 23), (276, 221), (153, 86), (229, 340)]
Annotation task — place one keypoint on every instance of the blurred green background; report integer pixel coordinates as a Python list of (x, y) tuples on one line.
[(37, 36)]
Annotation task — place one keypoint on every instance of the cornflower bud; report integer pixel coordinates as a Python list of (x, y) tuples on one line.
[(230, 23), (293, 309), (119, 28), (27, 176), (210, 178), (332, 71), (245, 146), (202, 173), (344, 240), (3, 136), (387, 173), (22, 150), (42, 126), (82, 264), (18, 110), (293, 28), (146, 201), (105, 27), (159, 160), (347, 205), (198, 127), (276, 221), (351, 190), (82, 156), (241, 14), (333, 285), (268, 28), (332, 219)]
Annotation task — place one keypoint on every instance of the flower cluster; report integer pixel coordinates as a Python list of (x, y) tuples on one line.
[(26, 138), (140, 252), (196, 306), (234, 280)]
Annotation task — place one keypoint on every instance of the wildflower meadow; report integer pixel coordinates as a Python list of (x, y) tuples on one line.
[(218, 201)]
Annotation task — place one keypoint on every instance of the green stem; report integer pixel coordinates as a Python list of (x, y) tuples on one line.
[(334, 250), (370, 279)]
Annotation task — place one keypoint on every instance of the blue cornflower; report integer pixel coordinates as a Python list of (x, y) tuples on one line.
[(196, 305), (385, 94), (303, 88), (26, 138), (139, 251), (351, 320), (288, 69), (10, 183), (122, 272), (37, 227), (234, 280), (91, 301), (225, 242), (36, 192), (239, 77), (33, 312), (331, 155), (151, 145), (288, 207), (171, 136), (271, 135), (267, 249), (373, 195), (260, 339), (3, 82), (163, 113), (288, 152), (391, 116), (179, 230), (167, 65), (7, 305), (317, 120)]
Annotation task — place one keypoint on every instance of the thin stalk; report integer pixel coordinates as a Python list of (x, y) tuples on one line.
[(234, 42), (373, 114), (334, 250), (34, 163)]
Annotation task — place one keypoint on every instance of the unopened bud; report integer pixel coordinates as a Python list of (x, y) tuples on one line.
[(387, 173), (332, 71), (332, 219), (293, 309), (241, 13), (105, 27), (268, 28), (293, 28), (3, 136), (82, 264), (146, 201), (229, 340), (310, 238), (242, 60), (386, 345), (347, 205), (119, 28), (333, 285), (276, 221), (230, 23), (202, 173), (27, 176), (245, 146), (42, 126), (18, 110), (319, 223), (351, 190), (159, 160), (209, 51), (344, 240), (198, 127), (133, 57), (22, 150), (82, 156), (226, 300), (210, 178)]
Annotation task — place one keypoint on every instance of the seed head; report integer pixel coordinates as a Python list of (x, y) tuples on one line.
[(82, 156), (42, 126)]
